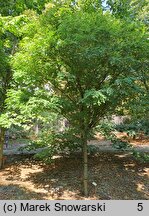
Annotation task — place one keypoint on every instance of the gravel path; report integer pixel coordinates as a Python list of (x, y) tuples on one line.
[(102, 146)]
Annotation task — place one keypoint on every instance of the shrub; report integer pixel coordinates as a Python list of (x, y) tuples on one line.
[(141, 156)]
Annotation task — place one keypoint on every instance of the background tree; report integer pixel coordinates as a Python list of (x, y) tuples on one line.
[(5, 77), (129, 9), (10, 34), (17, 7), (135, 10), (11, 21)]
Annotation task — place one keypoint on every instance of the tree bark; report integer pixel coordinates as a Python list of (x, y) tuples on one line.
[(36, 128), (85, 164), (2, 139)]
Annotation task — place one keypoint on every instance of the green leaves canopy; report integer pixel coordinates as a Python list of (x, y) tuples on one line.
[(91, 61), (17, 7)]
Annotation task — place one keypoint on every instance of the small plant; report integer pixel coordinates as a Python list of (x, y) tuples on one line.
[(121, 145), (131, 133), (134, 128), (92, 150), (142, 157)]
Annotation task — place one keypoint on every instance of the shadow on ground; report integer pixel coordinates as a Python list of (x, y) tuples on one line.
[(17, 192), (118, 176)]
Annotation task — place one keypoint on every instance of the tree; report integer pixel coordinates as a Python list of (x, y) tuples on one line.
[(129, 9), (17, 7), (134, 10), (4, 83), (89, 58), (14, 15), (10, 35)]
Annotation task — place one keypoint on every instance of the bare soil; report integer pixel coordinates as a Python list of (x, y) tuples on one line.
[(118, 176)]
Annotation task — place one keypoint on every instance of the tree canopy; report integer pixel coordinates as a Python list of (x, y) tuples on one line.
[(17, 7)]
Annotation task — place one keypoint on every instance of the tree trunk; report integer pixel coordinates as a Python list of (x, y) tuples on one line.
[(85, 162), (36, 128), (2, 138)]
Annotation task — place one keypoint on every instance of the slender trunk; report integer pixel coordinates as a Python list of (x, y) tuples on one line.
[(2, 137), (85, 162), (36, 128)]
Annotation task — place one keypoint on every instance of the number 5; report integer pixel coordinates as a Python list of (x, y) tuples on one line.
[(140, 207)]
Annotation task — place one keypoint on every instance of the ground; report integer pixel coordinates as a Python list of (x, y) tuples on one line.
[(118, 175)]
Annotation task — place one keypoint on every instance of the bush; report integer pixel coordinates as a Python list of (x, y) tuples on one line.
[(16, 132), (54, 143), (134, 128), (142, 157), (92, 150), (121, 145)]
